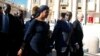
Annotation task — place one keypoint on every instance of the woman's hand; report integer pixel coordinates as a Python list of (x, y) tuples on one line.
[(19, 52)]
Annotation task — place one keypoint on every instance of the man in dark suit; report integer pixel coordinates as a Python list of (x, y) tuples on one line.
[(60, 36), (68, 18), (76, 39), (11, 33)]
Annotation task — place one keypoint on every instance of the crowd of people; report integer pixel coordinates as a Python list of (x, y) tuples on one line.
[(34, 38)]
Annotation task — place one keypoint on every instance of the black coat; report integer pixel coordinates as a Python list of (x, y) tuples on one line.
[(57, 36), (15, 32), (77, 35), (37, 36)]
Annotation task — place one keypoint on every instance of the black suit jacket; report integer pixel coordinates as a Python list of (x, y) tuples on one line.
[(58, 36), (15, 33), (77, 35)]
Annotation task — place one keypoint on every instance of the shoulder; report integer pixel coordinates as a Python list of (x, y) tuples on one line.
[(28, 21), (60, 22), (32, 22), (47, 24), (10, 15), (76, 23), (71, 24)]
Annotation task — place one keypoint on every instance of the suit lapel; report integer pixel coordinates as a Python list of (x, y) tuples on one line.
[(0, 21)]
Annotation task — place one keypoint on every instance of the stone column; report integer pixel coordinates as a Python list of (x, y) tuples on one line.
[(97, 10), (44, 2), (84, 10), (56, 9), (29, 7), (93, 45), (70, 4), (74, 11)]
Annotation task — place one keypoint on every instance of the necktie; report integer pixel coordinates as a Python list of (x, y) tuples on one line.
[(68, 24), (5, 23)]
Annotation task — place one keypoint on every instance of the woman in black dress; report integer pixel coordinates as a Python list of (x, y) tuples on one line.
[(36, 36)]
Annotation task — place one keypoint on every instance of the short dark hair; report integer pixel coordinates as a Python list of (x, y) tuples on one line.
[(69, 14), (63, 15), (41, 9), (9, 6)]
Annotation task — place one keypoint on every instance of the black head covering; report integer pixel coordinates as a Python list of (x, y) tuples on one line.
[(41, 9)]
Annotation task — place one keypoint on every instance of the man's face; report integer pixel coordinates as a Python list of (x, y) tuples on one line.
[(81, 18), (6, 8), (68, 16)]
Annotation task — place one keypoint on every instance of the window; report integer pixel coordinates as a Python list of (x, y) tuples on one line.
[(61, 0), (90, 0), (50, 1), (63, 7), (36, 1), (79, 7), (64, 1), (79, 1)]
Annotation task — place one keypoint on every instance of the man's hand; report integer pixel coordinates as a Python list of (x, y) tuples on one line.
[(77, 45)]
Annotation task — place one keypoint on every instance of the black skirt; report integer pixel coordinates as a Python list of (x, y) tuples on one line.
[(28, 51)]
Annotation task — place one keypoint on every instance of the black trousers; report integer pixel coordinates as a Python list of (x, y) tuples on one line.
[(8, 49), (78, 52), (14, 48), (4, 44), (3, 48), (67, 51), (59, 53), (28, 51)]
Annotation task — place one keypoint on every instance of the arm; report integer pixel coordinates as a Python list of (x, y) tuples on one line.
[(26, 37), (55, 33)]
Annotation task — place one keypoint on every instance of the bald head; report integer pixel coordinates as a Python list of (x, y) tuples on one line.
[(80, 17)]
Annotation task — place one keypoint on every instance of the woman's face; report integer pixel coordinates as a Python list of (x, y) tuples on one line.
[(45, 13)]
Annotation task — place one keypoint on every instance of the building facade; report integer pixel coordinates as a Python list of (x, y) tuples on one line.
[(14, 7), (92, 8)]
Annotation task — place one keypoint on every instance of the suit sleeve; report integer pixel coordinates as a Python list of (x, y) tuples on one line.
[(29, 31), (55, 32)]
